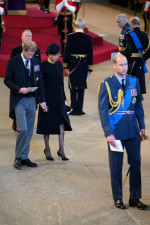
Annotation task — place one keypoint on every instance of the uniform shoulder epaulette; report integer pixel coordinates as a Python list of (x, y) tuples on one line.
[(70, 34), (130, 75), (144, 32), (129, 31), (107, 79)]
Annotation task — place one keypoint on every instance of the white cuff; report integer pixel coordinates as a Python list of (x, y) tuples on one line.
[(71, 8), (1, 10), (59, 6), (146, 6)]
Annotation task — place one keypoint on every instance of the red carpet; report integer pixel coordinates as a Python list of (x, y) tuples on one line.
[(44, 30)]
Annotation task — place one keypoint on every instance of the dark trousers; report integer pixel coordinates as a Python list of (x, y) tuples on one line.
[(46, 3), (116, 163), (77, 99), (0, 35), (146, 21), (62, 26)]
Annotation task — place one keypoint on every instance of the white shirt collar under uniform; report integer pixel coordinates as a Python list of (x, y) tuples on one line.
[(120, 79)]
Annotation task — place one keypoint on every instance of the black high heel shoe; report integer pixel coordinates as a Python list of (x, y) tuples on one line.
[(48, 157), (63, 157)]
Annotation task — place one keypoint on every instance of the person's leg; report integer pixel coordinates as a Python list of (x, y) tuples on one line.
[(134, 159), (80, 101), (0, 36), (30, 119), (25, 117), (46, 5), (46, 141), (115, 164), (47, 148), (73, 97), (20, 113), (61, 143)]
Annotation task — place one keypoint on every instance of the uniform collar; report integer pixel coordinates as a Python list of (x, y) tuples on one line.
[(120, 78), (79, 30)]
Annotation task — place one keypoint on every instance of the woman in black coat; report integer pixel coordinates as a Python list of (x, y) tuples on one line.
[(55, 120)]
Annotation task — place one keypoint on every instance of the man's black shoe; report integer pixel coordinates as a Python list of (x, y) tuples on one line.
[(28, 163), (119, 204), (137, 203), (14, 126), (82, 113), (17, 164)]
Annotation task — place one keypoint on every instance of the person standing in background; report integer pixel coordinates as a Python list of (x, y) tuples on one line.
[(121, 21), (26, 36), (1, 23), (66, 10), (146, 16), (137, 52), (78, 62)]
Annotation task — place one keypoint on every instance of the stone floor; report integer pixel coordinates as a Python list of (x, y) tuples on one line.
[(76, 192)]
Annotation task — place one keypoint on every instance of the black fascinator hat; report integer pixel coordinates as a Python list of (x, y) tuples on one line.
[(52, 49)]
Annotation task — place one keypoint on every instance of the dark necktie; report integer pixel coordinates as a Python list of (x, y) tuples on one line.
[(123, 85), (27, 64)]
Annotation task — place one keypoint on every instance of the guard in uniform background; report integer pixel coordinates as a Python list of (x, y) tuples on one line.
[(122, 118), (137, 52), (1, 23), (121, 21), (78, 3), (146, 16), (66, 10), (78, 60)]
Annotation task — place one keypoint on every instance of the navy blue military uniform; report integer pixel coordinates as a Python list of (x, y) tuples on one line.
[(122, 40), (78, 58), (135, 61), (124, 124)]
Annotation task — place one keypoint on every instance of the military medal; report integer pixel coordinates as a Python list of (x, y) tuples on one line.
[(134, 100), (133, 92)]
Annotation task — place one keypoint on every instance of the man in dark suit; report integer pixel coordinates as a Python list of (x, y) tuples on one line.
[(78, 59), (122, 118), (22, 74), (137, 52), (26, 36)]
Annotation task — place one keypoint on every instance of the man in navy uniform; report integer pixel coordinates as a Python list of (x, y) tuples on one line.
[(137, 52), (121, 21), (78, 59), (122, 118)]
